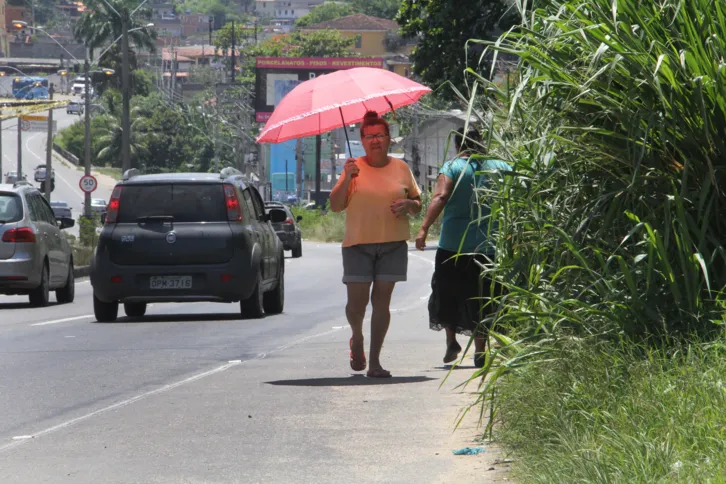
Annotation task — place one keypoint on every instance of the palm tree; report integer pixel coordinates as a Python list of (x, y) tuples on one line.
[(99, 24), (110, 140)]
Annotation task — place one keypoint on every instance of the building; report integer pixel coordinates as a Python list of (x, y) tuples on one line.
[(194, 23), (4, 40), (435, 145), (374, 37), (283, 13)]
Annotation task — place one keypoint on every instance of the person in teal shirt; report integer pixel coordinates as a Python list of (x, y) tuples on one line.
[(458, 289)]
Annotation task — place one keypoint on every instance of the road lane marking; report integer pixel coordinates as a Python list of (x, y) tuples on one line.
[(27, 147), (117, 405), (64, 320)]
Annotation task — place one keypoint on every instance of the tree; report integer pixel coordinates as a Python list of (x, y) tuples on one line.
[(443, 28), (100, 25), (324, 12), (381, 8), (223, 37), (318, 43)]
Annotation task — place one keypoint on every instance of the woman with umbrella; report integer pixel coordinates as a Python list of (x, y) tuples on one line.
[(378, 192)]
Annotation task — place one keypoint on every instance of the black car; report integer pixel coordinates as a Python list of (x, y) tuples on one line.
[(186, 237), (288, 231)]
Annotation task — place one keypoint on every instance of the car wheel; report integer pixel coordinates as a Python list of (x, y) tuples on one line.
[(135, 310), (297, 251), (40, 295), (274, 301), (253, 307), (67, 293), (105, 312)]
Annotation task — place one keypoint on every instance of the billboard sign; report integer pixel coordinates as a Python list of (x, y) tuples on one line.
[(277, 76)]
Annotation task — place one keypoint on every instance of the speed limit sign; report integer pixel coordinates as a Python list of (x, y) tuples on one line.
[(88, 183)]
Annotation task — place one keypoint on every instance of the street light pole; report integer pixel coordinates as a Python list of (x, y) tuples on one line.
[(87, 140), (49, 148), (126, 114), (20, 148)]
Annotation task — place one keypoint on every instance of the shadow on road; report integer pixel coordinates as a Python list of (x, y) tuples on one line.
[(457, 367), (352, 380), (24, 305), (182, 318)]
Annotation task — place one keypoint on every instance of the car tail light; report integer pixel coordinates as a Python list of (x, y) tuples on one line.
[(289, 221), (113, 206), (234, 211), (19, 235), (116, 279)]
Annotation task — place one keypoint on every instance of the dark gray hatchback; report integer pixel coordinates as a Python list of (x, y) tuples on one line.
[(187, 237)]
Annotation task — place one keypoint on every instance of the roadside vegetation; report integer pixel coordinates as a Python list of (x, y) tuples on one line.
[(609, 360), (327, 226)]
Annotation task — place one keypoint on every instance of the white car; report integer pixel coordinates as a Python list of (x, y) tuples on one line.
[(39, 174), (74, 107), (98, 205), (12, 177)]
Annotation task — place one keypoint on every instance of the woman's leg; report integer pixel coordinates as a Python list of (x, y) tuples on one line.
[(380, 320), (355, 311)]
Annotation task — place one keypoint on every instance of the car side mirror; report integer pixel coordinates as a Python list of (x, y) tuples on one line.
[(103, 218), (65, 223), (299, 218), (277, 216)]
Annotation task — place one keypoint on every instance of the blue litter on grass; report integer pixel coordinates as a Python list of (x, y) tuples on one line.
[(469, 451)]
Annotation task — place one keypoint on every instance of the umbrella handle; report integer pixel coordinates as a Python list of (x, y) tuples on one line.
[(345, 130)]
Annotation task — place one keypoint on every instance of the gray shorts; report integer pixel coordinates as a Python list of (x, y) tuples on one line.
[(387, 261)]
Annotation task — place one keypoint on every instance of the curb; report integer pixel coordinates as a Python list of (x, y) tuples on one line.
[(83, 271)]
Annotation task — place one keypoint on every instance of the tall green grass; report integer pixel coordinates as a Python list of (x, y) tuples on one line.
[(611, 229)]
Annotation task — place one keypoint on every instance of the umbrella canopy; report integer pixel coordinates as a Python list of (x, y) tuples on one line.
[(334, 100)]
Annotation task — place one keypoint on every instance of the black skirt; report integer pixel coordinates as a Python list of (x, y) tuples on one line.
[(460, 294)]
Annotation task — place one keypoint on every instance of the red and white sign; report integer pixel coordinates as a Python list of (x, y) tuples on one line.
[(88, 183)]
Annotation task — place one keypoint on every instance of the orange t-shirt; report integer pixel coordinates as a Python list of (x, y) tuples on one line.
[(369, 219)]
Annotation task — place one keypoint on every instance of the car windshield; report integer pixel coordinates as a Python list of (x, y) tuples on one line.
[(11, 208), (58, 204), (185, 202), (96, 201)]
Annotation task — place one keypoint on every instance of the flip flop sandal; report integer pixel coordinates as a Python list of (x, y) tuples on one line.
[(378, 373), (356, 365)]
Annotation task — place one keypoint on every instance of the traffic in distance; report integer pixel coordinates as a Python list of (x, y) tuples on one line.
[(175, 237)]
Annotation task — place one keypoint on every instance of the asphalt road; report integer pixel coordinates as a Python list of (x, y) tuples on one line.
[(34, 153), (193, 394)]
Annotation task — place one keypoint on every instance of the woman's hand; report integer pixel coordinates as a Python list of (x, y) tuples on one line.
[(351, 169), (421, 238), (402, 206)]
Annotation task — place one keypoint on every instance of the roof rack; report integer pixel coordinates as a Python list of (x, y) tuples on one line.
[(128, 174), (228, 172)]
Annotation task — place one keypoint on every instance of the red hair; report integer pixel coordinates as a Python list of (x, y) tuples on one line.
[(371, 119)]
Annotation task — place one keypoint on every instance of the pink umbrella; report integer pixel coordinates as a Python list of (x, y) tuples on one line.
[(334, 100)]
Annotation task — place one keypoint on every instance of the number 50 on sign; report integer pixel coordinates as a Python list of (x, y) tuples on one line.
[(88, 183)]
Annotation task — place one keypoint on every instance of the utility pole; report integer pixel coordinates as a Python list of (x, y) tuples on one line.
[(333, 155), (20, 148), (49, 149), (87, 139), (233, 56), (300, 159), (318, 143), (126, 114), (287, 188)]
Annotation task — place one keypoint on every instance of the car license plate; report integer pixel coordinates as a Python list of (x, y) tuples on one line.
[(171, 282)]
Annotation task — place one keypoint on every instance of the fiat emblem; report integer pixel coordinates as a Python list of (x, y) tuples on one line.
[(170, 238)]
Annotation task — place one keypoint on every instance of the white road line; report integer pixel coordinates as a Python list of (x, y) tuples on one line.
[(24, 438), (120, 404), (64, 320), (27, 147)]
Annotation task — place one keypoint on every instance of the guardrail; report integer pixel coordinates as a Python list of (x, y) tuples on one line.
[(66, 155)]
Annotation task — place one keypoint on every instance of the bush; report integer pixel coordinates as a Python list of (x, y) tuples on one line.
[(610, 235)]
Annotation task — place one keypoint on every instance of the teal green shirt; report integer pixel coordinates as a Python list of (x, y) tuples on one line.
[(463, 207)]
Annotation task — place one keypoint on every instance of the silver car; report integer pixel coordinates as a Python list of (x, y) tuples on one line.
[(35, 257), (98, 206)]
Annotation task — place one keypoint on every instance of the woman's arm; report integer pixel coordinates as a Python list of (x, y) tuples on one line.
[(444, 188)]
